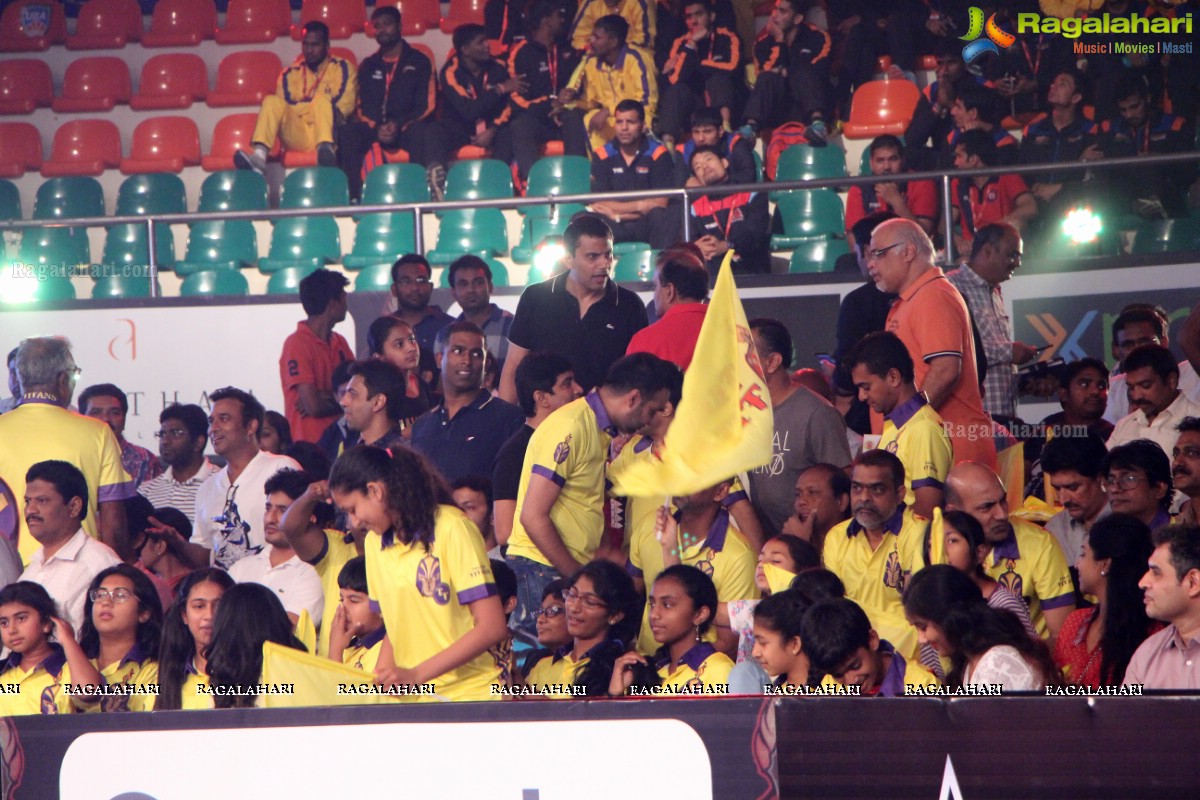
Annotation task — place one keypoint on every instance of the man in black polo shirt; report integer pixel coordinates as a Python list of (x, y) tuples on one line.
[(462, 435), (635, 161), (581, 313)]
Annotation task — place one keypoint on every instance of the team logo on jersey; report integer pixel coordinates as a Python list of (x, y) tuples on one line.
[(892, 446), (429, 580), (563, 451), (35, 20), (893, 577), (705, 566), (1011, 580)]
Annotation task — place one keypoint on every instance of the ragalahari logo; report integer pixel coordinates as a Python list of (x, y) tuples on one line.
[(996, 40)]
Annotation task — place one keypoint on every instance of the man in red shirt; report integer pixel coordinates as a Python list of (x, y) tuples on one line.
[(915, 200), (930, 317), (680, 292), (310, 355), (986, 199)]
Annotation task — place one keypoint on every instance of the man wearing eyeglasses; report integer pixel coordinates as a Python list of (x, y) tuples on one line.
[(1137, 479), (42, 428), (1185, 469), (182, 436), (412, 288)]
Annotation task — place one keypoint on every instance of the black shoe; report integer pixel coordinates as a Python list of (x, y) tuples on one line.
[(326, 157)]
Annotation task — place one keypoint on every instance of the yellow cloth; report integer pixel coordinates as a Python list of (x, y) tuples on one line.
[(640, 14), (142, 674), (1010, 464), (306, 632), (701, 667), (923, 447), (1032, 566), (315, 680), (339, 550), (39, 690), (724, 424), (301, 112), (600, 86)]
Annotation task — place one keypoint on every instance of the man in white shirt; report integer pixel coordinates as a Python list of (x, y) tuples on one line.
[(278, 567), (68, 559), (1139, 324), (182, 436), (229, 505), (1153, 380)]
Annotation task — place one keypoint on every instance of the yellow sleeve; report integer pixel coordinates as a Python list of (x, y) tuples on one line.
[(715, 670), (577, 81), (833, 554), (930, 454), (556, 446), (465, 565), (1050, 575), (115, 483), (147, 678), (372, 551), (585, 20)]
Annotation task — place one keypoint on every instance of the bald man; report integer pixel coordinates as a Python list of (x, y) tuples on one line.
[(1025, 558), (930, 317)]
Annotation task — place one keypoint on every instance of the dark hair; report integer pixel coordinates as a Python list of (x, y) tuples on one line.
[(705, 148), (319, 28), (469, 261), (951, 600), (177, 647), (832, 631), (538, 11), (863, 228), (1070, 371), (783, 612), (377, 335), (313, 460), (803, 554), (969, 528), (476, 483), (979, 143), (68, 481), (465, 34), (192, 416), (585, 225), (291, 482), (881, 352), (280, 424), (252, 410), (1183, 542), (613, 585), (466, 326), (1131, 83), (1078, 78), (975, 96), (687, 275), (1141, 312), (699, 588), (33, 595), (775, 337), (1189, 425), (1154, 356), (1125, 540), (614, 25), (102, 390), (414, 489), (410, 258), (1147, 456), (320, 288), (555, 589), (382, 376), (249, 615), (341, 373), (353, 575), (506, 580), (1082, 454), (538, 372), (645, 372), (386, 11), (886, 142), (882, 458), (148, 632), (991, 234), (707, 116), (839, 481), (818, 583)]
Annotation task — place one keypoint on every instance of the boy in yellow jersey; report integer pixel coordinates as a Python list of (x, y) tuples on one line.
[(840, 642), (882, 371), (356, 629), (876, 551), (560, 501)]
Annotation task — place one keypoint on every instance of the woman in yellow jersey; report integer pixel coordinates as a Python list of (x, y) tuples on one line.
[(37, 665), (122, 625), (187, 632), (603, 613), (249, 615), (683, 604), (427, 569), (777, 645)]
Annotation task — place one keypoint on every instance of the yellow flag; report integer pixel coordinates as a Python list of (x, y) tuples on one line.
[(313, 681), (724, 424), (306, 631), (1010, 463), (937, 538)]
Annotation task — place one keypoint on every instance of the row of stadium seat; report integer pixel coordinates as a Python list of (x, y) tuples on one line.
[(36, 25)]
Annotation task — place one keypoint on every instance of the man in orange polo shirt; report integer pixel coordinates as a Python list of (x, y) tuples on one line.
[(930, 317), (311, 354)]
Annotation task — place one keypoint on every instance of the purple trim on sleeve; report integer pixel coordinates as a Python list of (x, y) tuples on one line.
[(1067, 599), (116, 491), (923, 482), (633, 571), (735, 497), (467, 596), (549, 474)]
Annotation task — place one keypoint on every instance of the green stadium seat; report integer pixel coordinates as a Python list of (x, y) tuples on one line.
[(233, 190), (381, 238), (122, 286), (801, 162), (375, 278), (62, 198), (10, 200), (302, 242), (557, 175), (808, 214), (287, 280), (214, 283), (52, 288), (817, 255), (141, 195), (625, 248), (58, 246), (535, 227), (315, 187), (479, 179), (219, 244), (396, 183), (635, 267), (470, 230)]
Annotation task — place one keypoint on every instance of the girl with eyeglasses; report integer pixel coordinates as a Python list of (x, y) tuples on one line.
[(683, 604), (602, 614), (43, 655), (393, 340), (187, 633), (122, 624), (551, 620), (427, 569)]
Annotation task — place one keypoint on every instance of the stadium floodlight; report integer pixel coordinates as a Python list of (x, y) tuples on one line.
[(1082, 226)]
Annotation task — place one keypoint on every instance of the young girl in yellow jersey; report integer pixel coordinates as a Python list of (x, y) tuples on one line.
[(358, 630), (428, 571), (122, 625), (777, 644), (249, 615), (187, 632), (37, 665), (603, 612), (683, 604)]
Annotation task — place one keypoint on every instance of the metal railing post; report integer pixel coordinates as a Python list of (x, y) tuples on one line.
[(152, 243), (418, 231), (949, 231)]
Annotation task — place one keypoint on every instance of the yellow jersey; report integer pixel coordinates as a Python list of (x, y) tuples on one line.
[(424, 596), (37, 689), (901, 673), (640, 14), (602, 86), (702, 670), (554, 672), (335, 79), (1031, 565), (364, 653), (194, 696), (875, 579), (339, 548), (916, 435), (137, 671), (570, 447)]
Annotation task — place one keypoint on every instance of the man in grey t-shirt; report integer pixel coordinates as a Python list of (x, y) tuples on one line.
[(808, 430)]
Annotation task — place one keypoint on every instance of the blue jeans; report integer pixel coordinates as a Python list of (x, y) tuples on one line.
[(532, 580)]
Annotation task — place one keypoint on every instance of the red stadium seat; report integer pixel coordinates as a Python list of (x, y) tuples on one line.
[(462, 12), (32, 25), (20, 149), (163, 144), (171, 80), (244, 78), (25, 84), (880, 107), (83, 147), (231, 134), (416, 16), (255, 21), (94, 84), (344, 17), (181, 23), (106, 25), (348, 54)]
